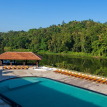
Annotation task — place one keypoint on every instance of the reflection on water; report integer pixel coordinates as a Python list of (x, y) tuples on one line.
[(87, 65)]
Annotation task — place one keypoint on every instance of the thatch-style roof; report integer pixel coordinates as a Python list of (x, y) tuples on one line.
[(19, 56)]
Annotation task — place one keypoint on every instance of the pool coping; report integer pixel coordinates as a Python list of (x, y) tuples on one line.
[(10, 102), (14, 104)]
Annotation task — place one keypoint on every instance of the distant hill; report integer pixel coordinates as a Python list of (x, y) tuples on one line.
[(76, 36)]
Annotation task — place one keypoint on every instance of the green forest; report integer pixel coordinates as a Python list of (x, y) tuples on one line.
[(85, 36)]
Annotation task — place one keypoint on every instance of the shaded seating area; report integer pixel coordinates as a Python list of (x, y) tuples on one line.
[(82, 76), (13, 59)]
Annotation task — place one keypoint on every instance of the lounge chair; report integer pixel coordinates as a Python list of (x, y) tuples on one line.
[(104, 80), (4, 67), (90, 77), (26, 67), (84, 76), (99, 79), (59, 71), (13, 67), (69, 73), (63, 71), (74, 74), (9, 67), (17, 67), (79, 75), (56, 71), (94, 78)]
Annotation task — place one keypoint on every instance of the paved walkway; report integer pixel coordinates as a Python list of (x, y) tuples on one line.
[(102, 88)]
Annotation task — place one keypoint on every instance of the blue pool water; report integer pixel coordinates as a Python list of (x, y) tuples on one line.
[(42, 92)]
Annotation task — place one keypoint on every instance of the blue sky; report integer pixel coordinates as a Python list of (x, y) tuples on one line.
[(27, 14)]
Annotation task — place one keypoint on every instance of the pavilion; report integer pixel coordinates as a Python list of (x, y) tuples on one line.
[(25, 56)]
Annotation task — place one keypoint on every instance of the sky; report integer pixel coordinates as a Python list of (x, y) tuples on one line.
[(29, 14)]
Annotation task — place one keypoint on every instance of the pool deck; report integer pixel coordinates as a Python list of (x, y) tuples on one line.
[(98, 87)]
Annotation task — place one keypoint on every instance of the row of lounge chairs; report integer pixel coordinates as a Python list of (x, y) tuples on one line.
[(83, 76), (15, 67)]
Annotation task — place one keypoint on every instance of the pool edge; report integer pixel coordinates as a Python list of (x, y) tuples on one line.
[(14, 104)]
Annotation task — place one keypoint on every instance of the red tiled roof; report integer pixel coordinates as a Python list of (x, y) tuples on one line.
[(19, 56)]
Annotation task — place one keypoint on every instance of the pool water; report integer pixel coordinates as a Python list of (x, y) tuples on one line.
[(43, 92)]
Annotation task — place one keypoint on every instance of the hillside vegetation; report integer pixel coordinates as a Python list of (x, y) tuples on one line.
[(76, 36)]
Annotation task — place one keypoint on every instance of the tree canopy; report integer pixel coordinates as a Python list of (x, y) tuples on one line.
[(76, 36)]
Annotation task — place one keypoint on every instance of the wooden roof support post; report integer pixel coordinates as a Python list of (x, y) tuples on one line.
[(14, 61), (23, 63), (10, 62), (26, 62), (1, 62), (37, 63)]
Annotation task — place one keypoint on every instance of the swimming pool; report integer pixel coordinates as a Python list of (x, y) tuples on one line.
[(43, 92)]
